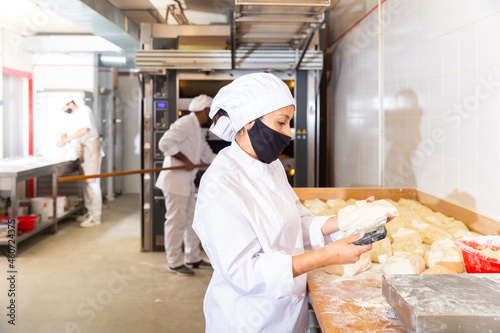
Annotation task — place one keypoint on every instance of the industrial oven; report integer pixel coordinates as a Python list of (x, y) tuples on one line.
[(166, 98)]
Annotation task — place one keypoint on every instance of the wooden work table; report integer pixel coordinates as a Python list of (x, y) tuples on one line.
[(351, 304), (356, 304)]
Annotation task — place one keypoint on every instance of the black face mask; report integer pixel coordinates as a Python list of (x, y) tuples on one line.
[(267, 143), (69, 110)]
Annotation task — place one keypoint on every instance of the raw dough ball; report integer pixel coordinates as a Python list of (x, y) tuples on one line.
[(315, 206), (327, 211), (381, 250), (409, 244), (442, 242), (404, 263), (437, 219), (396, 224), (404, 233), (438, 269), (414, 205), (447, 256), (459, 233), (336, 205), (418, 224), (362, 264), (432, 233)]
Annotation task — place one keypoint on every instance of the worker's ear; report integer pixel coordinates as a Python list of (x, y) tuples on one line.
[(249, 125)]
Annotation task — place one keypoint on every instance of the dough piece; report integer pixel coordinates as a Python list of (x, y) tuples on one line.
[(361, 265), (437, 219), (418, 224), (455, 224), (336, 205), (404, 233), (490, 253), (442, 242), (438, 269), (326, 212), (365, 216), (392, 202), (409, 244), (447, 256), (459, 233), (404, 263), (315, 206), (414, 205), (381, 250), (396, 224), (432, 233)]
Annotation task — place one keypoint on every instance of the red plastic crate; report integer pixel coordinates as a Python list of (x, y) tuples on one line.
[(475, 261)]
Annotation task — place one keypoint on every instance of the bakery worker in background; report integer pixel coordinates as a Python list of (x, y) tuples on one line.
[(80, 127), (184, 144), (250, 221)]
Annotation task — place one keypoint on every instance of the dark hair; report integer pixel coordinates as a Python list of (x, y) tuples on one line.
[(219, 114)]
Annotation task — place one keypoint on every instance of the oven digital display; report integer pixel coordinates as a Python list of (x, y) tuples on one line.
[(160, 105)]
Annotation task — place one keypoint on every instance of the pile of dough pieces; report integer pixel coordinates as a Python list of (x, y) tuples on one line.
[(419, 240)]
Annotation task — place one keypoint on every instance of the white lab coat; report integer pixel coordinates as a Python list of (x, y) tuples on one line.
[(251, 223), (184, 136)]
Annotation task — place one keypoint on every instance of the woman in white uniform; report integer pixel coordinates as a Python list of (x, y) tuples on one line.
[(251, 224)]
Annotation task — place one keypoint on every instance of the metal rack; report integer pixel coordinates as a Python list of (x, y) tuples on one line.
[(20, 169)]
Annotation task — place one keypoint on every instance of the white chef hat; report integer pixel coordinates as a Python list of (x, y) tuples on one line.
[(65, 99), (248, 98), (199, 103)]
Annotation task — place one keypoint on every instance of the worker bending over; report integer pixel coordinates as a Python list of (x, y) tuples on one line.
[(183, 144)]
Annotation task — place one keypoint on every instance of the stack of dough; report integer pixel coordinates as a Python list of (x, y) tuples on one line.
[(417, 238), (365, 216)]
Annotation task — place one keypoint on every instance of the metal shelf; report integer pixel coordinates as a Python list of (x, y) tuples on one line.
[(24, 168)]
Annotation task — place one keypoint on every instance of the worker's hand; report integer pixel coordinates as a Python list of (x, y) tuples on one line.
[(188, 165), (60, 143), (344, 252)]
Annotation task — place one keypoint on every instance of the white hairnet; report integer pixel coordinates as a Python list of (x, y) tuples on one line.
[(248, 98), (199, 103)]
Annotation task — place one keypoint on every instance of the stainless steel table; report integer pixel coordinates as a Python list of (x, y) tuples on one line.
[(20, 169)]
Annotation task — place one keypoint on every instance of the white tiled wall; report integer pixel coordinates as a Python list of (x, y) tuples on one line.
[(441, 88)]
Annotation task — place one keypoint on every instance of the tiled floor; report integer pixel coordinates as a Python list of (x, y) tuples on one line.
[(98, 280)]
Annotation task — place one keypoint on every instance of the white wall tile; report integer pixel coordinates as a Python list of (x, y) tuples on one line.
[(423, 61), (446, 54), (436, 96), (488, 41), (489, 141), (468, 102), (431, 21), (450, 176), (487, 7), (451, 144), (468, 44), (451, 15), (436, 183), (468, 11), (488, 191), (450, 53), (488, 92), (468, 178), (436, 57), (468, 139)]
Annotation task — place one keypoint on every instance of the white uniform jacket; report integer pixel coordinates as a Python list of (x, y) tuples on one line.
[(184, 136), (251, 223)]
